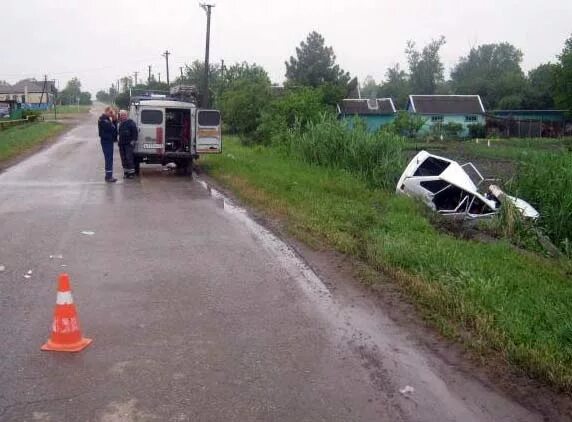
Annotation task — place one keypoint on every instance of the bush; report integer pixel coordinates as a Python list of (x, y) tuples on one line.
[(242, 105), (449, 130), (477, 130), (298, 107), (407, 124), (376, 157), (545, 180), (31, 115)]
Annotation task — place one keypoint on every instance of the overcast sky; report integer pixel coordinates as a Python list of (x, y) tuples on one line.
[(100, 40)]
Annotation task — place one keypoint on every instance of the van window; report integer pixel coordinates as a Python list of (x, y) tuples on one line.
[(209, 118), (151, 117)]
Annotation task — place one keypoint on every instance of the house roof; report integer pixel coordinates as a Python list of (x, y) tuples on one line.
[(446, 104), (32, 85), (5, 88), (375, 106)]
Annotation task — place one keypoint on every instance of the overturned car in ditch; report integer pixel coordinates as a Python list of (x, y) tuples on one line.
[(452, 189)]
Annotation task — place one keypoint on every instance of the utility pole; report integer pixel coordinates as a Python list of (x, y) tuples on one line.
[(181, 69), (166, 55), (159, 73), (44, 90), (149, 78), (136, 73), (55, 101), (207, 8)]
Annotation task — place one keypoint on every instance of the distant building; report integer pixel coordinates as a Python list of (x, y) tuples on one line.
[(30, 93), (375, 112), (527, 123), (442, 109)]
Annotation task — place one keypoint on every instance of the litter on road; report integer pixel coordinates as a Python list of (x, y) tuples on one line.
[(446, 186), (2, 268), (56, 257), (407, 390), (88, 232)]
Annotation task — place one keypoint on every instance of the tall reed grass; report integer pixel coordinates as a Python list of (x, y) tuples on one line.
[(545, 180), (375, 156)]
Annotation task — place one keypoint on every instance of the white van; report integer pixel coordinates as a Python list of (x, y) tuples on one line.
[(174, 131)]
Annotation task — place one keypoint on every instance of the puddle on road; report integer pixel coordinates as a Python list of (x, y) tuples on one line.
[(387, 351)]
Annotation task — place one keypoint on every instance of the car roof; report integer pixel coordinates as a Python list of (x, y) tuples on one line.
[(164, 103)]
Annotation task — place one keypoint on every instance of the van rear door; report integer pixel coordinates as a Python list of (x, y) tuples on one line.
[(151, 131), (208, 126)]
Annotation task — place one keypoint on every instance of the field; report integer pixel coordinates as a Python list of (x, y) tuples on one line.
[(67, 112), (496, 158), (497, 299), (19, 139)]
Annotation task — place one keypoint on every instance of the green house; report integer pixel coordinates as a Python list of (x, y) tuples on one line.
[(439, 110), (376, 112)]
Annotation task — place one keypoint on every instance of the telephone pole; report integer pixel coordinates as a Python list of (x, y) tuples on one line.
[(207, 8), (149, 77), (136, 73), (166, 55), (181, 69), (159, 74)]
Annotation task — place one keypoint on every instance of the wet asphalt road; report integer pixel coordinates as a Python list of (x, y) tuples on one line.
[(197, 313)]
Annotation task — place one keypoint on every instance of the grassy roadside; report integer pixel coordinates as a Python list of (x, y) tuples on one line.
[(498, 299), (19, 139)]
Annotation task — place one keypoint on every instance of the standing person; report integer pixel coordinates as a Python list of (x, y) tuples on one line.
[(107, 136), (128, 135)]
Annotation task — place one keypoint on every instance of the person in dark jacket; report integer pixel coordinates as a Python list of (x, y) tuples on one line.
[(107, 136), (128, 135)]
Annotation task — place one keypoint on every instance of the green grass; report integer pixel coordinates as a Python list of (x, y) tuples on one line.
[(19, 139), (376, 157), (546, 181), (68, 109), (499, 300)]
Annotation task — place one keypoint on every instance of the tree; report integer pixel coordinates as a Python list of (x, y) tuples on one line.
[(426, 71), (492, 71), (563, 77), (103, 96), (126, 82), (369, 88), (540, 89), (315, 64), (85, 98), (396, 85), (71, 93), (298, 107), (244, 99)]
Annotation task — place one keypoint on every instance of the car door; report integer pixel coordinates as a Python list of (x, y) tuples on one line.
[(208, 132), (151, 131)]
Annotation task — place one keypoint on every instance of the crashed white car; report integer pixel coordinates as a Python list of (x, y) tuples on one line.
[(446, 187)]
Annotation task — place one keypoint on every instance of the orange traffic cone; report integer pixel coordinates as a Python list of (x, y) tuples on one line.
[(66, 335)]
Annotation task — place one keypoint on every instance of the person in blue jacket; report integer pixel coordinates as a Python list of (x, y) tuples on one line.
[(108, 136)]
